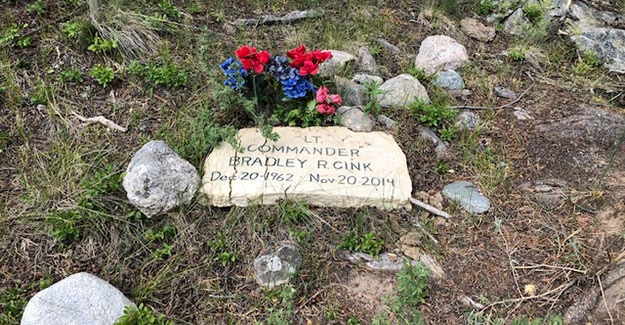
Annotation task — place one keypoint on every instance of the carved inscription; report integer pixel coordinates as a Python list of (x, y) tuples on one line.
[(325, 166)]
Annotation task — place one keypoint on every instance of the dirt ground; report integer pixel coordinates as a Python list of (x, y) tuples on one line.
[(562, 242)]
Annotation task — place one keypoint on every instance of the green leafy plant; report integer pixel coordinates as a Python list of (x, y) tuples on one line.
[(516, 54), (169, 10), (484, 7), (420, 74), (586, 62), (103, 75), (353, 320), (102, 46), (77, 29), (164, 252), (220, 249), (141, 315), (13, 35), (166, 232), (533, 11), (166, 74), (292, 211), (435, 115), (369, 243), (12, 303), (64, 225), (449, 133), (71, 75), (412, 289), (373, 91), (37, 7), (284, 297)]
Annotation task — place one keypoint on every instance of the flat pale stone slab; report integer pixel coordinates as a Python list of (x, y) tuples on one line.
[(323, 166)]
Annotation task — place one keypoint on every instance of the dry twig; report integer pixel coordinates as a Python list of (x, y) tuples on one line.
[(499, 107), (430, 208), (102, 120)]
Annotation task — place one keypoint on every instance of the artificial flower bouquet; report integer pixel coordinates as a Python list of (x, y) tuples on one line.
[(282, 86)]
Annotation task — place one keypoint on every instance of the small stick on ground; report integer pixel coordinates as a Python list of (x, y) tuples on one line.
[(499, 107), (102, 120), (430, 208)]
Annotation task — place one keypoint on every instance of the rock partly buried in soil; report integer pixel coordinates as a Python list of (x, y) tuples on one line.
[(158, 180), (277, 268), (366, 62), (352, 93), (81, 298), (440, 52), (449, 79), (468, 196), (392, 262), (402, 91), (584, 141), (467, 121), (355, 119), (549, 193), (475, 29)]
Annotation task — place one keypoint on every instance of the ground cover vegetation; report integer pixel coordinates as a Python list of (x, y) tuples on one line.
[(154, 67)]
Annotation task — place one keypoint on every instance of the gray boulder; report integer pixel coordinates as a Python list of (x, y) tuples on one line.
[(352, 93), (440, 52), (355, 119), (449, 79), (158, 180), (401, 91), (468, 196), (277, 268), (79, 299), (366, 63), (362, 78), (337, 64)]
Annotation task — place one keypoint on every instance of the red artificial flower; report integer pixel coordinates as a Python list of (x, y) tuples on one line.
[(250, 58), (322, 94), (336, 99), (327, 104), (326, 108), (307, 63)]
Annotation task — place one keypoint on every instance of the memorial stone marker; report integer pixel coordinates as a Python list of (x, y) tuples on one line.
[(324, 166)]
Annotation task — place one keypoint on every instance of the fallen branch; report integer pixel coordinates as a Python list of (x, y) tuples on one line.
[(271, 19), (430, 208), (499, 107), (102, 120)]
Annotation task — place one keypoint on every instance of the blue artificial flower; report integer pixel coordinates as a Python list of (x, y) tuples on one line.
[(234, 73), (296, 86)]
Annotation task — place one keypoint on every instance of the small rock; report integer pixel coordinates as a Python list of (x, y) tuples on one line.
[(363, 78), (550, 193), (517, 23), (355, 119), (449, 79), (504, 93), (475, 29), (467, 121), (352, 94), (468, 196), (366, 62), (158, 180), (440, 52), (390, 47), (412, 238), (411, 251), (336, 65), (460, 92), (401, 91), (436, 270), (522, 114), (81, 298), (441, 149), (386, 122), (278, 267)]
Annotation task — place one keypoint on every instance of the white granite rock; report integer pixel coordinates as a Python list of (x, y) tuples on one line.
[(79, 299), (158, 180), (277, 268), (440, 52), (401, 91)]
